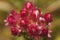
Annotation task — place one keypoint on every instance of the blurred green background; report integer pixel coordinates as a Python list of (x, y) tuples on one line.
[(52, 6)]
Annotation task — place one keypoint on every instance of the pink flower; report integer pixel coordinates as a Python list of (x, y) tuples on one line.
[(32, 30), (11, 20), (44, 32), (24, 14), (15, 31), (24, 23), (34, 14), (28, 5), (41, 21), (29, 20), (48, 17)]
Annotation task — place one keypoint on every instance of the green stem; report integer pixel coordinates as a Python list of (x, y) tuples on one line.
[(45, 39)]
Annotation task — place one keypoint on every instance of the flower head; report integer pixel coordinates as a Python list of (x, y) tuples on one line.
[(30, 20)]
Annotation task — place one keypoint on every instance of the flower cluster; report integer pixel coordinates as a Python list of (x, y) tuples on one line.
[(30, 20)]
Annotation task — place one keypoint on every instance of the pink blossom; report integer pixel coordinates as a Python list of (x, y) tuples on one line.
[(29, 20)]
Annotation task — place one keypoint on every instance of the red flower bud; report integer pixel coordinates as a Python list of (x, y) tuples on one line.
[(24, 14), (48, 17), (32, 30), (45, 32), (24, 23), (11, 20), (35, 13), (28, 5), (15, 31)]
